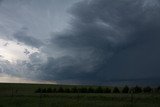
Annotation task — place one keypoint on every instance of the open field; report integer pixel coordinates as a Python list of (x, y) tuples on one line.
[(23, 95)]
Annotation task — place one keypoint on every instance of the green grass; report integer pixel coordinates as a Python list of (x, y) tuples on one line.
[(26, 97)]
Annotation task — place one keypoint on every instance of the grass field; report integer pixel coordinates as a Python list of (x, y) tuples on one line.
[(23, 95)]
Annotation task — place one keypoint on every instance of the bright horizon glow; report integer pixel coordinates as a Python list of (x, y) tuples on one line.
[(13, 51), (4, 78)]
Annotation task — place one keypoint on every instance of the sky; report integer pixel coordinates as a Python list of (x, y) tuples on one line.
[(95, 42)]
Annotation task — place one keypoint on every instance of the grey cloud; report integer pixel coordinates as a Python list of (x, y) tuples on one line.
[(65, 69), (110, 41), (22, 36), (115, 38)]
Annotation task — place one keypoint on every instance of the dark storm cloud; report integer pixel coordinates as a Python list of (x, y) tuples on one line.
[(109, 40), (23, 37)]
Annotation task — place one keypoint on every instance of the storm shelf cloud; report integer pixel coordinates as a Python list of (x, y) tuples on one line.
[(98, 41)]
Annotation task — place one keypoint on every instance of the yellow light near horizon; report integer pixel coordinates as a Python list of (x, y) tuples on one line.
[(13, 51), (4, 78), (7, 55)]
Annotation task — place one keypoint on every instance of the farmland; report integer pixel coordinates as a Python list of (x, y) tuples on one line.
[(24, 95)]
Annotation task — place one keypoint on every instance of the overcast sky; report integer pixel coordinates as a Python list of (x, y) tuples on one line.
[(101, 42)]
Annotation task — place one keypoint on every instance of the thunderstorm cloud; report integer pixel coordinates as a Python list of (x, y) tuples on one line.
[(85, 41)]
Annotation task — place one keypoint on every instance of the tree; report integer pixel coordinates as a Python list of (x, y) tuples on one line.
[(54, 90), (137, 89), (147, 89), (158, 89), (90, 90), (39, 90), (74, 90), (60, 90), (99, 89), (116, 90), (49, 90), (125, 89), (83, 90), (44, 90), (67, 90), (107, 90)]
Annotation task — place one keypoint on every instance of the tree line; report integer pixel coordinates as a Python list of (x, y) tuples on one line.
[(99, 89)]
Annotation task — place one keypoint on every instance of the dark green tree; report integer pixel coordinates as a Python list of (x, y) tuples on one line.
[(44, 90), (116, 90), (107, 90), (125, 89), (137, 89), (67, 90), (83, 90), (147, 89), (74, 90), (158, 89), (99, 90), (91, 90), (54, 90), (49, 90), (39, 90), (60, 90)]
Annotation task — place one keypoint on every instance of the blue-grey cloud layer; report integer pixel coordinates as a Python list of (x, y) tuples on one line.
[(108, 41), (23, 37)]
